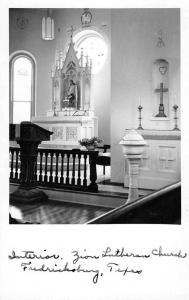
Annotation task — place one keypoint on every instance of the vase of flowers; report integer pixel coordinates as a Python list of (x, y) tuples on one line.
[(90, 144)]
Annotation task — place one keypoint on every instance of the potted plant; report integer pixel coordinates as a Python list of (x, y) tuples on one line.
[(90, 144)]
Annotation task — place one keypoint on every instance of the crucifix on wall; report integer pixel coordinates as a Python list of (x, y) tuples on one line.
[(161, 90)]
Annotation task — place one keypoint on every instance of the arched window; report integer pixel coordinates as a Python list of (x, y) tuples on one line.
[(22, 87), (93, 45)]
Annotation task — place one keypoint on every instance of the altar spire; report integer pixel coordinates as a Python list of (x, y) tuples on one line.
[(71, 80), (71, 30)]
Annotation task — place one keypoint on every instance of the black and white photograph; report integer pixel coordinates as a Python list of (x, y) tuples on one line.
[(95, 116), (94, 150)]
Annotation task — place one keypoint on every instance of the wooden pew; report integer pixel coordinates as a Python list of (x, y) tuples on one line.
[(160, 207)]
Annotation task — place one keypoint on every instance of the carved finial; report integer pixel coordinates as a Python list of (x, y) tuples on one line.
[(55, 57), (71, 30), (53, 71), (90, 64), (61, 58), (87, 60), (81, 57)]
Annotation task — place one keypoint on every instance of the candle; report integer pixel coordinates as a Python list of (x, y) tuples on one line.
[(175, 100)]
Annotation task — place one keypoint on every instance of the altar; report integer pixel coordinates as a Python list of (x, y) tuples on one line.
[(160, 163), (71, 116), (67, 130)]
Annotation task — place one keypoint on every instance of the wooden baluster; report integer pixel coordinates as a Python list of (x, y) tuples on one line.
[(12, 163), (73, 169), (85, 171), (62, 168), (51, 167), (19, 165), (16, 168), (35, 170), (79, 170), (41, 166), (46, 159), (76, 178), (56, 174), (67, 175), (93, 187)]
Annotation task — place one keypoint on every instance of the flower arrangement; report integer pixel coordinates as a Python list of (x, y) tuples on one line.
[(90, 143)]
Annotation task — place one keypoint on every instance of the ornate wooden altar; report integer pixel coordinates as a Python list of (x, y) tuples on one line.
[(71, 117)]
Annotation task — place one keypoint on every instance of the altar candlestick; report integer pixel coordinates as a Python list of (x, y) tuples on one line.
[(140, 118), (175, 107)]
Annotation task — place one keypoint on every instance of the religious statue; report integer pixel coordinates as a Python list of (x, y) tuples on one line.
[(72, 94)]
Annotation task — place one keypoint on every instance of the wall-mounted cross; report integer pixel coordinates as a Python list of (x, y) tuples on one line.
[(161, 90)]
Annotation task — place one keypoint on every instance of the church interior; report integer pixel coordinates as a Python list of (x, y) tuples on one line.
[(94, 115)]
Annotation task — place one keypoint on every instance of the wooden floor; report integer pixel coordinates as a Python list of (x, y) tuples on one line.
[(53, 212)]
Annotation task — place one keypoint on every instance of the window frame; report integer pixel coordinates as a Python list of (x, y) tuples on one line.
[(13, 57), (81, 35)]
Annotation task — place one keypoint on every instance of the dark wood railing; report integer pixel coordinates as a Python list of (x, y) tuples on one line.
[(160, 207), (73, 169)]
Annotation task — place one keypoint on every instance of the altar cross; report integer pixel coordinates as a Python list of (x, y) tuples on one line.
[(161, 90)]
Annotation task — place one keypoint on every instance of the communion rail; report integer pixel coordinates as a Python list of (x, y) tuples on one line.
[(68, 169)]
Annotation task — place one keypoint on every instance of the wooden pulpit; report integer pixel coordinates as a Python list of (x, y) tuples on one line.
[(28, 136)]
